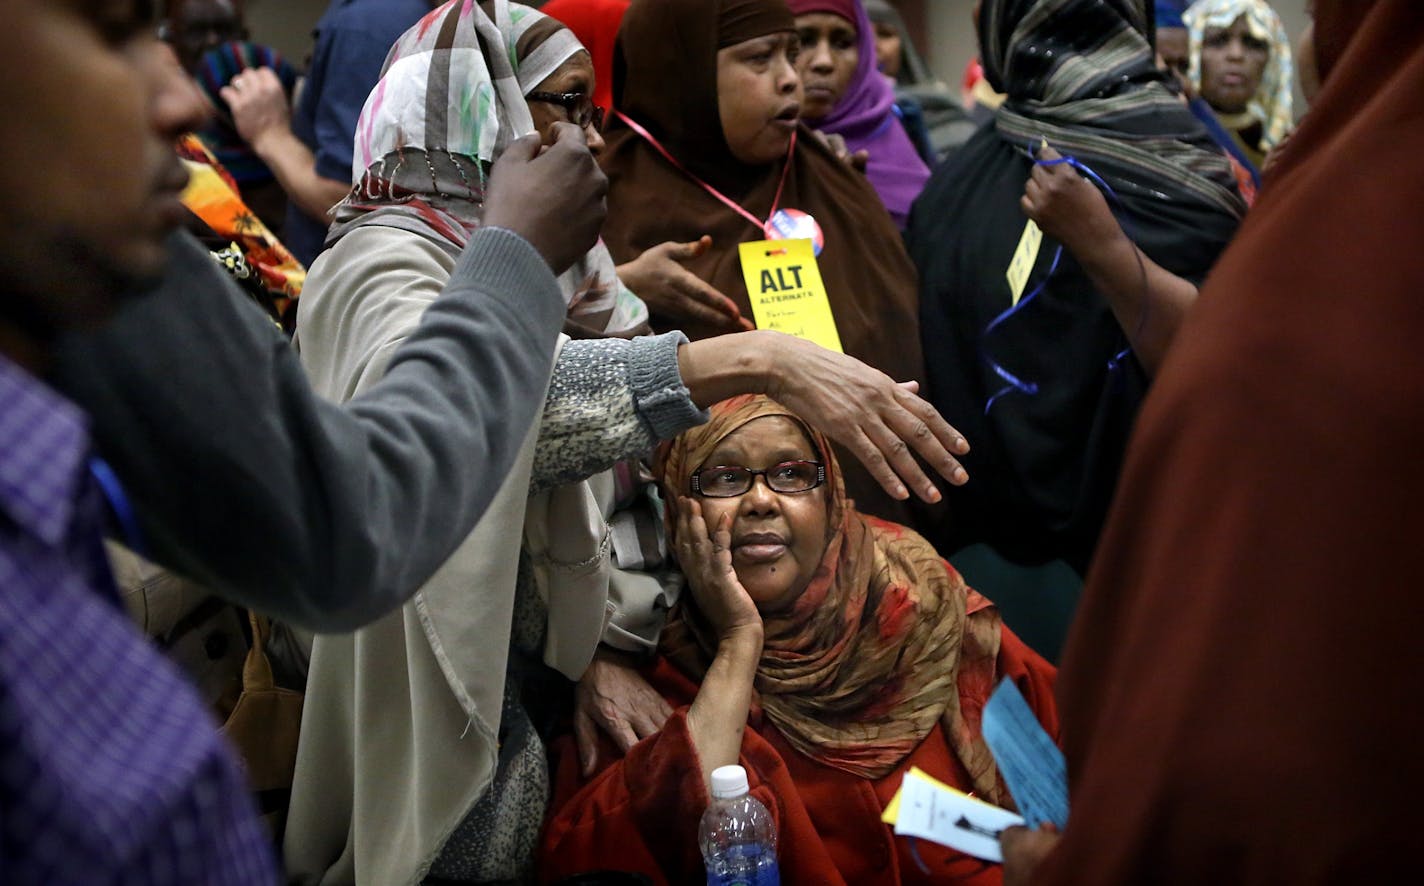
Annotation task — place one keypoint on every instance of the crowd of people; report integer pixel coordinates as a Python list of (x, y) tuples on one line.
[(417, 467)]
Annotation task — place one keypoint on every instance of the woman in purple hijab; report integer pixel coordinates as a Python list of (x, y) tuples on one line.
[(846, 95)]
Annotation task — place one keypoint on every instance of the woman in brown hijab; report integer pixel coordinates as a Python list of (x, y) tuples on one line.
[(1240, 692), (670, 58)]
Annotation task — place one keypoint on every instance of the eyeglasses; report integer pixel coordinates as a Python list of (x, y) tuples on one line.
[(730, 481), (581, 109)]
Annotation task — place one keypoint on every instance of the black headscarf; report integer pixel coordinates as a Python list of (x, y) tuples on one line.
[(1081, 74)]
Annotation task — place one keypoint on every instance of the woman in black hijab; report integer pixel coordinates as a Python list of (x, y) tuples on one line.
[(1044, 380)]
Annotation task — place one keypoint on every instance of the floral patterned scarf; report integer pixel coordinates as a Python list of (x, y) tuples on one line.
[(885, 642), (212, 196)]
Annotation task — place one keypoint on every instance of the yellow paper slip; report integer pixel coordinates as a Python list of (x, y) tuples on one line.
[(892, 810), (786, 291), (1025, 257), (930, 810)]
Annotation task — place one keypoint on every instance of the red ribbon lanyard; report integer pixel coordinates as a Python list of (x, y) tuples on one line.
[(731, 204)]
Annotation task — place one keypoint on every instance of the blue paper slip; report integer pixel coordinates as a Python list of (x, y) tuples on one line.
[(1032, 765)]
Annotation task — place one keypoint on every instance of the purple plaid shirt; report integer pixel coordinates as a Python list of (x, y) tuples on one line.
[(111, 770)]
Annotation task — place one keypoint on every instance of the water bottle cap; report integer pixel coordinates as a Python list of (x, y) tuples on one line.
[(729, 782)]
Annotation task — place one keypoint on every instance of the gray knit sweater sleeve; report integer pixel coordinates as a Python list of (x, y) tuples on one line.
[(325, 516), (610, 399)]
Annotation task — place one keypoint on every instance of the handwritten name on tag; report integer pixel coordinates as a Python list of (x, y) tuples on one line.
[(1025, 257), (786, 291)]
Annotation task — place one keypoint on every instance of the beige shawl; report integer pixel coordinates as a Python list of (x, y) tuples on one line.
[(399, 732)]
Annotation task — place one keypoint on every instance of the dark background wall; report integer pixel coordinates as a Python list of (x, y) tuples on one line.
[(943, 29)]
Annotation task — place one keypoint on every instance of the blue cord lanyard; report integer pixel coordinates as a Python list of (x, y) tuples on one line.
[(1013, 382), (119, 503)]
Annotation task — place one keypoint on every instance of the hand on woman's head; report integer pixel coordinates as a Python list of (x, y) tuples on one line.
[(759, 97), (777, 539)]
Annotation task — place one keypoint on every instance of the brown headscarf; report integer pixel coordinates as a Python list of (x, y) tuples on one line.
[(665, 77), (1240, 690), (885, 641)]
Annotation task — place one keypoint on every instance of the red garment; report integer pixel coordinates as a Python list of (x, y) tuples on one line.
[(595, 24), (1244, 181), (640, 813), (1240, 689)]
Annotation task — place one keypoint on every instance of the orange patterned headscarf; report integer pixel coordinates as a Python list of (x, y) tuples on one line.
[(885, 641)]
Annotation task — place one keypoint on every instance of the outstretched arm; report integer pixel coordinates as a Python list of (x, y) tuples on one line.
[(323, 515), (881, 420)]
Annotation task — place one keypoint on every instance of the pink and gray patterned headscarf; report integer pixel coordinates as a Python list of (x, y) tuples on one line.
[(441, 113)]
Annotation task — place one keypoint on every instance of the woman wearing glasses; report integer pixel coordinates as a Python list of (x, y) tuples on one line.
[(419, 750), (825, 651)]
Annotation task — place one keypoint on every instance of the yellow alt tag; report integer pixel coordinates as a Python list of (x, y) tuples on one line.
[(1024, 259), (784, 284)]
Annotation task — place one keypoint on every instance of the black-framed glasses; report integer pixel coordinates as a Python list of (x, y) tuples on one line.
[(730, 481), (582, 111)]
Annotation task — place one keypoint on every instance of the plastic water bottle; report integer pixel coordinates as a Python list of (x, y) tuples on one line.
[(736, 834)]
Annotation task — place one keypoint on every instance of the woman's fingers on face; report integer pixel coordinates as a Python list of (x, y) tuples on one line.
[(685, 538), (697, 530), (723, 534), (722, 543)]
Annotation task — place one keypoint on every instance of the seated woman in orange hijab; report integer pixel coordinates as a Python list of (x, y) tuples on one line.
[(825, 651)]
